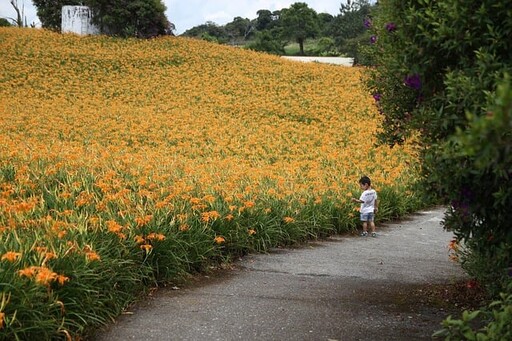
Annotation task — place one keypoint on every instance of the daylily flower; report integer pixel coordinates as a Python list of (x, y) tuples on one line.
[(11, 256), (288, 220), (219, 239)]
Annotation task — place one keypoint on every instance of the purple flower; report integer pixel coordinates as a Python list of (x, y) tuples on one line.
[(373, 39), (377, 97), (467, 193), (391, 27), (413, 81), (367, 22)]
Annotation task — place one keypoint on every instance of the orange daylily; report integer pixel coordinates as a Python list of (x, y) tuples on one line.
[(11, 256), (92, 256), (219, 240), (146, 247), (288, 220)]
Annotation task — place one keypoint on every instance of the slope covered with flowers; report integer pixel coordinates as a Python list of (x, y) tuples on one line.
[(126, 162)]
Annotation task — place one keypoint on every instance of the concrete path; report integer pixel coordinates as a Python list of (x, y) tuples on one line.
[(328, 60), (344, 288)]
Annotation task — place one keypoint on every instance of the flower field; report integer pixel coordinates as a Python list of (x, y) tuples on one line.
[(128, 163)]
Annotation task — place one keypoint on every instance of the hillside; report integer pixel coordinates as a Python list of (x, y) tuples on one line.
[(126, 163), (173, 103)]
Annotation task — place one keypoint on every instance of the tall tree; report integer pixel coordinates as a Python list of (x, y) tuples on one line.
[(263, 20), (325, 22), (239, 29), (299, 22), (139, 18), (208, 31), (349, 24), (18, 21)]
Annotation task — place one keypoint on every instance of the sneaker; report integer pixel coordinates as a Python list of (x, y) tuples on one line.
[(364, 234), (374, 234)]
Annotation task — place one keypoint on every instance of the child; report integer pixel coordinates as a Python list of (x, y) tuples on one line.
[(368, 201)]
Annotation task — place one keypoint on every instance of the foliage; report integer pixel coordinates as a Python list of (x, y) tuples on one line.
[(49, 12), (240, 27), (325, 23), (349, 24), (134, 163), (438, 64), (355, 48), (206, 37), (264, 19), (268, 32), (299, 22), (130, 18), (133, 18), (480, 162), (266, 42), (497, 316), (4, 22), (326, 47), (209, 31)]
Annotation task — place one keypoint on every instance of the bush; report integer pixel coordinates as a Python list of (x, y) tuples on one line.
[(480, 163), (497, 317), (325, 47), (266, 42), (437, 66)]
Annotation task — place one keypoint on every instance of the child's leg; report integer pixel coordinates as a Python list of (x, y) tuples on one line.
[(372, 226), (365, 226)]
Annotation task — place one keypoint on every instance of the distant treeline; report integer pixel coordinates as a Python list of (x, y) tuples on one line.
[(271, 31)]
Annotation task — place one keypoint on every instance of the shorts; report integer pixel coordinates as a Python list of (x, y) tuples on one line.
[(367, 216)]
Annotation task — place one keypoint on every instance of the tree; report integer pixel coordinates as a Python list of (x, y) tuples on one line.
[(139, 18), (20, 20), (266, 42), (50, 12), (263, 20), (209, 31), (325, 22), (349, 24), (4, 22), (299, 22), (239, 29)]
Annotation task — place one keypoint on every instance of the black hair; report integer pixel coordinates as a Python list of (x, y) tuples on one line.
[(365, 180)]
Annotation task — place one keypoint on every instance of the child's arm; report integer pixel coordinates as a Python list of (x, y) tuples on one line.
[(357, 200), (376, 205)]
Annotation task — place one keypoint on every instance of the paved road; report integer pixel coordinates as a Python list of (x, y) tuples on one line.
[(327, 60), (345, 288)]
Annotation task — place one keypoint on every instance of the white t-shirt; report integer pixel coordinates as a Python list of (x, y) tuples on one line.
[(369, 196)]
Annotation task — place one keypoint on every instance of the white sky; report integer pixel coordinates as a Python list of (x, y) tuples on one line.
[(190, 13)]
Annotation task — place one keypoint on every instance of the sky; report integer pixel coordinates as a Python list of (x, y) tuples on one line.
[(190, 13)]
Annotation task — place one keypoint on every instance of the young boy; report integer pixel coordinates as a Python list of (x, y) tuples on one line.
[(369, 205)]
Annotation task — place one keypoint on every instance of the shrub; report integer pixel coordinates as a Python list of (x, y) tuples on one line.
[(497, 317), (266, 42), (437, 66)]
